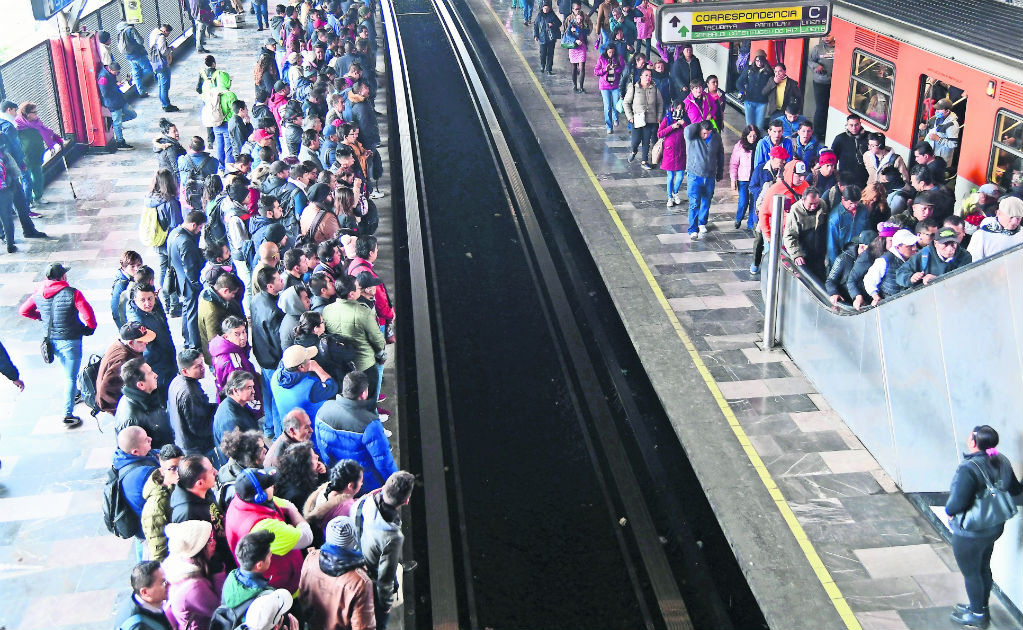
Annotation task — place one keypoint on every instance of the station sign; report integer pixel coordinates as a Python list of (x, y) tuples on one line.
[(736, 21), (45, 9)]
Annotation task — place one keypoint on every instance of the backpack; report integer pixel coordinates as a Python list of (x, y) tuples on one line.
[(129, 44), (335, 355), (193, 184), (151, 231), (118, 515), (87, 382), (230, 618), (214, 228), (212, 114)]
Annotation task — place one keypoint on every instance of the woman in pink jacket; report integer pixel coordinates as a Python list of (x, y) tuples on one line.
[(740, 168), (673, 160), (609, 69), (699, 105), (193, 594), (645, 26)]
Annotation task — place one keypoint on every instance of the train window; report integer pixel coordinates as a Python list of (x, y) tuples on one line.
[(870, 89), (933, 90), (1006, 166)]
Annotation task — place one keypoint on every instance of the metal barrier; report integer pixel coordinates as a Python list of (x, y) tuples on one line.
[(914, 375), (29, 77)]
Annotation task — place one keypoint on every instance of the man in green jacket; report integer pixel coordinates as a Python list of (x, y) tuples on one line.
[(357, 324)]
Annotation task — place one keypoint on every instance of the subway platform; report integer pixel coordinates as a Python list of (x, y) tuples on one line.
[(59, 567)]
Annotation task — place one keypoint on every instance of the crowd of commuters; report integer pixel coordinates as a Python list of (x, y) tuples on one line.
[(276, 503)]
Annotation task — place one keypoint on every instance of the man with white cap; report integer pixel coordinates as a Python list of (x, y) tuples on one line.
[(1001, 233), (335, 591), (880, 281), (300, 381), (269, 611)]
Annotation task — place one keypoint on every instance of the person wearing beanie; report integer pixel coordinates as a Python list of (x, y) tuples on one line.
[(255, 508), (381, 540), (335, 591), (318, 220), (192, 593), (824, 175), (156, 513)]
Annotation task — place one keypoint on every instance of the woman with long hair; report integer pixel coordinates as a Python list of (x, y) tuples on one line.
[(740, 168), (163, 195), (211, 189), (347, 209), (673, 159), (264, 75), (193, 593), (875, 197), (578, 28), (335, 497), (243, 449), (318, 220), (296, 473)]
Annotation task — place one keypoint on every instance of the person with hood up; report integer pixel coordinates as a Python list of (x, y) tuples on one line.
[(255, 508), (217, 302), (847, 219), (145, 308), (142, 404), (156, 512), (999, 233), (806, 233), (673, 159), (751, 84), (377, 516), (192, 592), (791, 185), (336, 592), (294, 301), (219, 100), (299, 381)]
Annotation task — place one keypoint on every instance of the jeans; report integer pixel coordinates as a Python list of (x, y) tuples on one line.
[(201, 30), (69, 351), (163, 85), (610, 97), (973, 555), (271, 419), (821, 94), (262, 13), (701, 190), (643, 135), (674, 182), (527, 9), (375, 374), (7, 214), (224, 154), (189, 314), (140, 69), (755, 113), (119, 117), (746, 202), (547, 55)]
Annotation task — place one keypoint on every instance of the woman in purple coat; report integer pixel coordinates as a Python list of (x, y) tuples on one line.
[(673, 160), (609, 70), (193, 593)]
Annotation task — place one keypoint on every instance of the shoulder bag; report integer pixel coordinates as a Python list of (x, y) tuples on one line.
[(46, 347), (992, 507)]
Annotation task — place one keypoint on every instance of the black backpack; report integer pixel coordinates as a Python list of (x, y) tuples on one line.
[(335, 355), (230, 618), (87, 383), (214, 228), (118, 515), (193, 183)]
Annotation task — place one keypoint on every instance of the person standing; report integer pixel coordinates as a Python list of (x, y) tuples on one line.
[(705, 164), (161, 56), (643, 105), (191, 411), (266, 340), (8, 369), (356, 322), (755, 77), (822, 60), (673, 160), (334, 588), (202, 22), (68, 317), (144, 609), (142, 405), (941, 131), (782, 92), (134, 49), (546, 32), (145, 308), (188, 260), (36, 139), (850, 146), (973, 544), (113, 100)]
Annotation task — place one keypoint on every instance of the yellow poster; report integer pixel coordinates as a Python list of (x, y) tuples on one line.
[(133, 11)]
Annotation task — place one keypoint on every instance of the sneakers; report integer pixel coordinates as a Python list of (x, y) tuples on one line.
[(377, 194), (383, 412), (703, 230), (34, 214), (171, 108), (632, 157), (678, 198), (737, 224), (36, 234), (12, 248), (671, 202), (609, 132), (969, 618), (121, 144), (754, 270), (694, 236), (143, 94), (646, 167), (388, 433), (381, 397), (72, 422)]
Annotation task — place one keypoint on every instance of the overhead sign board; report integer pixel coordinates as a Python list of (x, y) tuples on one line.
[(45, 9), (736, 21)]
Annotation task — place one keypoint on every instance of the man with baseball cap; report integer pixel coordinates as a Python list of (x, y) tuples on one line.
[(255, 508), (129, 345), (67, 317), (300, 381), (941, 256), (1001, 232), (881, 282)]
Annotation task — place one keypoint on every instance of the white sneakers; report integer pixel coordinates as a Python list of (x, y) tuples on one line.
[(703, 230), (677, 198)]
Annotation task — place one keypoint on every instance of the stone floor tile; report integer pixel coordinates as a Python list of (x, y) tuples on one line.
[(672, 239), (850, 461), (34, 507), (744, 389), (900, 561), (883, 594), (73, 608), (695, 257), (94, 549), (881, 620), (810, 421), (943, 589), (929, 619)]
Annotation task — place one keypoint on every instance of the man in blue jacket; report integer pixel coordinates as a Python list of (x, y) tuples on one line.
[(133, 448), (300, 381), (113, 100), (188, 260)]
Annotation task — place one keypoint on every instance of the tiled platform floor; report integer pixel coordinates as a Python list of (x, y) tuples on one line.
[(59, 568)]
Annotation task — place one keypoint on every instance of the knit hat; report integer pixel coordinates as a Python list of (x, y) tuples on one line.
[(904, 237), (887, 229), (187, 538), (828, 157), (340, 532), (1011, 206), (779, 152), (267, 610), (275, 233)]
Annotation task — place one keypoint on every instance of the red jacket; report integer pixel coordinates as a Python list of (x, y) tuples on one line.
[(241, 517), (385, 312), (51, 288)]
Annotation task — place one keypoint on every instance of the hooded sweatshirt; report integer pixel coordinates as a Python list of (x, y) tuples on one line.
[(291, 303), (785, 188), (228, 357)]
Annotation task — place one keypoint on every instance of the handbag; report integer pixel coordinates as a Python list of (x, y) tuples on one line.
[(991, 508), (568, 41), (657, 151)]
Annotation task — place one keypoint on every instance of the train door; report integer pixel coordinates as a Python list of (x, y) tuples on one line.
[(931, 91)]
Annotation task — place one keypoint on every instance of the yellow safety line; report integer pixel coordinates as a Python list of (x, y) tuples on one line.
[(837, 599)]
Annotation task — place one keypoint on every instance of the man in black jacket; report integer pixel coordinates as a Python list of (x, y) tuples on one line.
[(188, 261), (239, 128), (266, 340), (191, 412), (849, 146), (149, 591), (684, 71), (546, 32), (193, 500), (141, 403)]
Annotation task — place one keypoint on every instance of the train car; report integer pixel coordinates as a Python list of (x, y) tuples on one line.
[(895, 58)]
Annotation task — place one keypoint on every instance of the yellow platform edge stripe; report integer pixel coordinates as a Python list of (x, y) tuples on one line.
[(822, 573)]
